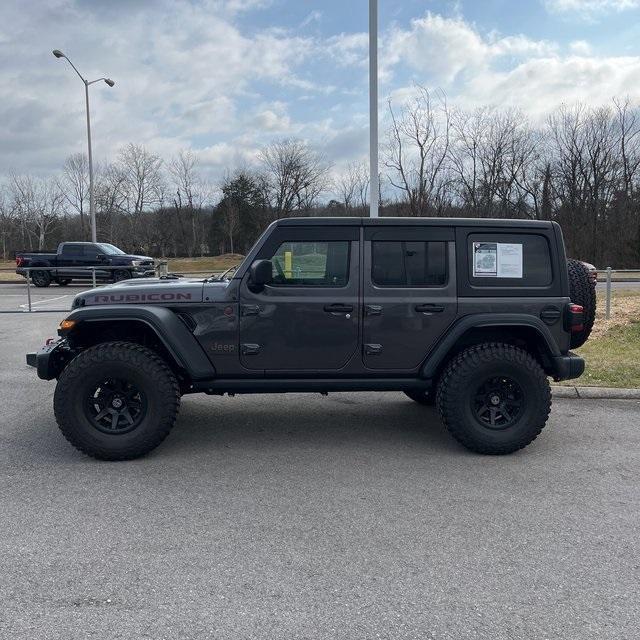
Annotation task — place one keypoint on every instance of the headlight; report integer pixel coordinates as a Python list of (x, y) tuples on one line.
[(136, 263)]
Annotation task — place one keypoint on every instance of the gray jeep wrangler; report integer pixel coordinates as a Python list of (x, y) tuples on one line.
[(472, 315)]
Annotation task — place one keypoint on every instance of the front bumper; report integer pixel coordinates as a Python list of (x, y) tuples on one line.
[(567, 367), (49, 360)]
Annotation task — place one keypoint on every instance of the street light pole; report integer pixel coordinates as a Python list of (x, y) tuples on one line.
[(373, 109), (92, 201)]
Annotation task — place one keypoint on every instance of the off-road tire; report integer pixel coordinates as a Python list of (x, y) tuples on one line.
[(130, 361), (583, 292), (459, 385), (427, 398), (40, 278), (121, 274)]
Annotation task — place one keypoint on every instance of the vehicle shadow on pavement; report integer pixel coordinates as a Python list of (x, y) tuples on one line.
[(272, 421)]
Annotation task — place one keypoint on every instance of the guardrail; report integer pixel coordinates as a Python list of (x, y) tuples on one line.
[(608, 280)]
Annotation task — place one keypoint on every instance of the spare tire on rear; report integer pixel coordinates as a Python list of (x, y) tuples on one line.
[(582, 289)]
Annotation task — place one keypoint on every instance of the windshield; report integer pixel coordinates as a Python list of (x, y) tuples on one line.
[(110, 250)]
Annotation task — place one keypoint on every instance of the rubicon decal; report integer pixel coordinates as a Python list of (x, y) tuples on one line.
[(115, 298)]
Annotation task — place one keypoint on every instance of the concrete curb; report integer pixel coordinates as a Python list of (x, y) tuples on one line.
[(594, 393)]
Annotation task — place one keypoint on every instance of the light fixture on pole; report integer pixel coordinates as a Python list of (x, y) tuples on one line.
[(92, 203), (373, 109)]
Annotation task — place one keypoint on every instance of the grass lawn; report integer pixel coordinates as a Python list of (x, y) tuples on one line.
[(612, 353), (204, 265), (9, 275)]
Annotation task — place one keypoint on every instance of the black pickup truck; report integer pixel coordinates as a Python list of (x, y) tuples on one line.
[(72, 259)]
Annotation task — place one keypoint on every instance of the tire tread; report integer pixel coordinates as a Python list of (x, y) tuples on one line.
[(142, 358), (453, 384)]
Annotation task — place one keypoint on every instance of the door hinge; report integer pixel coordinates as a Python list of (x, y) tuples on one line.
[(249, 349), (372, 349)]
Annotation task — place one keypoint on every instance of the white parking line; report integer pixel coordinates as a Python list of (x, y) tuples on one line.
[(23, 306)]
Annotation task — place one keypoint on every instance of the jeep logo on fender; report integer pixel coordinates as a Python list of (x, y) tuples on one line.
[(114, 298)]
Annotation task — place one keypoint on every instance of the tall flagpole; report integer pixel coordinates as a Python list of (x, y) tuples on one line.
[(373, 108)]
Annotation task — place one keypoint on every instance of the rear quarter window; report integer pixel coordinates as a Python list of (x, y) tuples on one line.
[(499, 260)]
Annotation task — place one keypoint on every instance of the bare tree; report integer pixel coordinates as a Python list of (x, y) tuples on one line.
[(189, 194), (38, 203), (492, 157), (230, 221), (74, 184), (295, 175), (353, 186), (8, 218), (143, 180), (417, 151)]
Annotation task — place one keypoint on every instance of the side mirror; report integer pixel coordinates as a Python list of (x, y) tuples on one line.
[(260, 273), (100, 257)]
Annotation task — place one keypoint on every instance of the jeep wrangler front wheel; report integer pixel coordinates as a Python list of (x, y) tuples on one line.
[(494, 398), (116, 401)]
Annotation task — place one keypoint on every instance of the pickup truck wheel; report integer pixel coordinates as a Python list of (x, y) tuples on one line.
[(494, 398), (426, 398), (116, 401), (121, 274), (41, 278)]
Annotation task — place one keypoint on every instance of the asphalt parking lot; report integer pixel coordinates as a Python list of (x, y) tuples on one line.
[(301, 516)]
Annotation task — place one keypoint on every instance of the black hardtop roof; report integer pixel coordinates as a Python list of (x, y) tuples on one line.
[(413, 222)]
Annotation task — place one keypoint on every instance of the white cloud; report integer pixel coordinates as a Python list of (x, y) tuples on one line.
[(181, 71), (532, 75), (580, 47), (589, 8), (445, 47), (349, 49)]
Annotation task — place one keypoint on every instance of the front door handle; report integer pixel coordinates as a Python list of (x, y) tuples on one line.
[(373, 310), (338, 308), (429, 308)]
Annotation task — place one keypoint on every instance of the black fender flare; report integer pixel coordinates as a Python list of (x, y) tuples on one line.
[(171, 331), (440, 352)]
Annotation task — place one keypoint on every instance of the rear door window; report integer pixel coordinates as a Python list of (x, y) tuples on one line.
[(397, 263)]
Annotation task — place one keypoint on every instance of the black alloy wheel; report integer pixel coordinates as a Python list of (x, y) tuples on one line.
[(115, 406), (498, 403)]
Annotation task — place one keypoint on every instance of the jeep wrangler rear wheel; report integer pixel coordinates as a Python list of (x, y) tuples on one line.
[(116, 401), (494, 398)]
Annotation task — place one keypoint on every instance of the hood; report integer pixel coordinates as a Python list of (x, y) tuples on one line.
[(163, 291), (129, 257)]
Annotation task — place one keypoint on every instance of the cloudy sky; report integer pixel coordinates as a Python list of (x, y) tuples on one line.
[(225, 76)]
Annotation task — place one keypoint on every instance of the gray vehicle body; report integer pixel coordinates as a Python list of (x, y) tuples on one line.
[(228, 336)]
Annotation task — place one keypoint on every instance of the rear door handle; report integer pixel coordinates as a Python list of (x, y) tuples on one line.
[(373, 310), (429, 308), (338, 308)]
